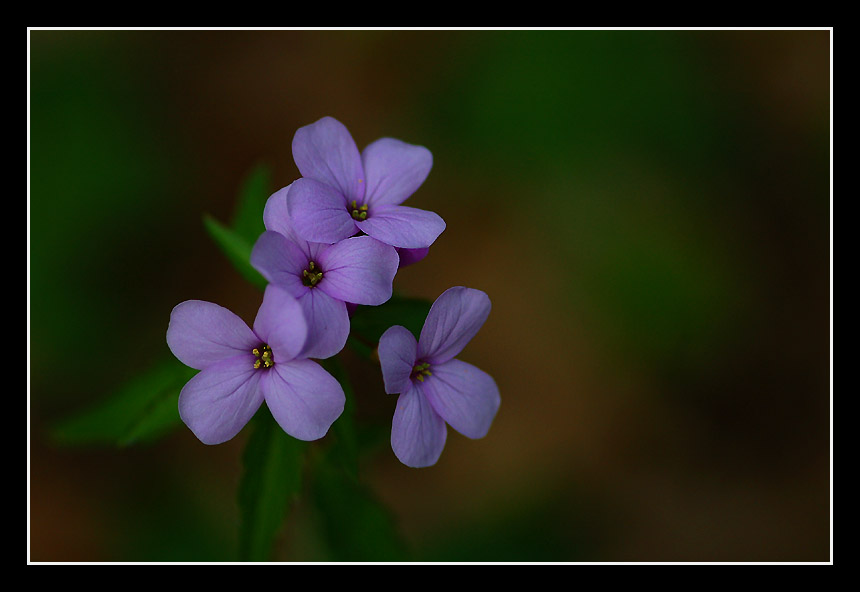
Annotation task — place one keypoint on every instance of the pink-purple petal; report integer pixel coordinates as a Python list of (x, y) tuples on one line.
[(281, 324), (402, 226), (410, 256), (217, 402), (328, 324), (417, 432), (397, 355), (276, 217), (325, 151), (304, 399), (466, 397), (318, 212), (394, 170), (280, 261), (359, 270), (453, 320), (201, 333)]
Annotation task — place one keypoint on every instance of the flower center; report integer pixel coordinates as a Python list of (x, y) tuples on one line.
[(312, 275), (358, 212), (419, 371), (264, 357)]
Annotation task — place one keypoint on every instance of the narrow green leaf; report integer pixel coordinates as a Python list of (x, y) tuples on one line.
[(141, 410), (354, 524), (161, 417), (270, 480), (236, 248), (368, 323), (248, 218)]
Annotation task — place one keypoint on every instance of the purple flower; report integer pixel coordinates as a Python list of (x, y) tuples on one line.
[(342, 192), (323, 277), (435, 388), (241, 367)]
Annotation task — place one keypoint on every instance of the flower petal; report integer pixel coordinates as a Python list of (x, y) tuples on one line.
[(276, 217), (410, 256), (275, 214), (402, 226), (325, 151), (281, 324), (359, 270), (318, 212), (394, 170), (328, 324), (280, 261), (397, 355), (452, 322), (202, 333), (464, 396), (218, 402), (417, 432), (304, 399)]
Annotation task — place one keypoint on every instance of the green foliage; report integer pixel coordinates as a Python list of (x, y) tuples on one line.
[(270, 481), (236, 248), (355, 525), (345, 439), (370, 322), (248, 218), (237, 240), (143, 409)]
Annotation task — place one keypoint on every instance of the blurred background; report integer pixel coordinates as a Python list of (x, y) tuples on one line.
[(649, 212)]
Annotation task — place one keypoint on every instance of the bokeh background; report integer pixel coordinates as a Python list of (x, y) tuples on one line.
[(649, 212)]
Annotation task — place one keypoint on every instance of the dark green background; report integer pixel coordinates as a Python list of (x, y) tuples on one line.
[(649, 212)]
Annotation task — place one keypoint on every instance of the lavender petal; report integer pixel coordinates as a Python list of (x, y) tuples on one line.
[(397, 355), (402, 226), (276, 217), (325, 151), (410, 256), (395, 170), (417, 432), (281, 323), (304, 399), (328, 324), (280, 261), (466, 397), (218, 402), (359, 270), (201, 333), (453, 320), (319, 212)]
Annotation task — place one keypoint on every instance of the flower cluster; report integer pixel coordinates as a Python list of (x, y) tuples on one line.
[(334, 239)]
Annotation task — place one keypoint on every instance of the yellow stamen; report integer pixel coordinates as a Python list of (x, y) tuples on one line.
[(265, 358)]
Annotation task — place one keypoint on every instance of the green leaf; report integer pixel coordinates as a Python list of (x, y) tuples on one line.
[(345, 446), (354, 524), (248, 219), (368, 323), (237, 240), (237, 249), (144, 409), (270, 480)]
